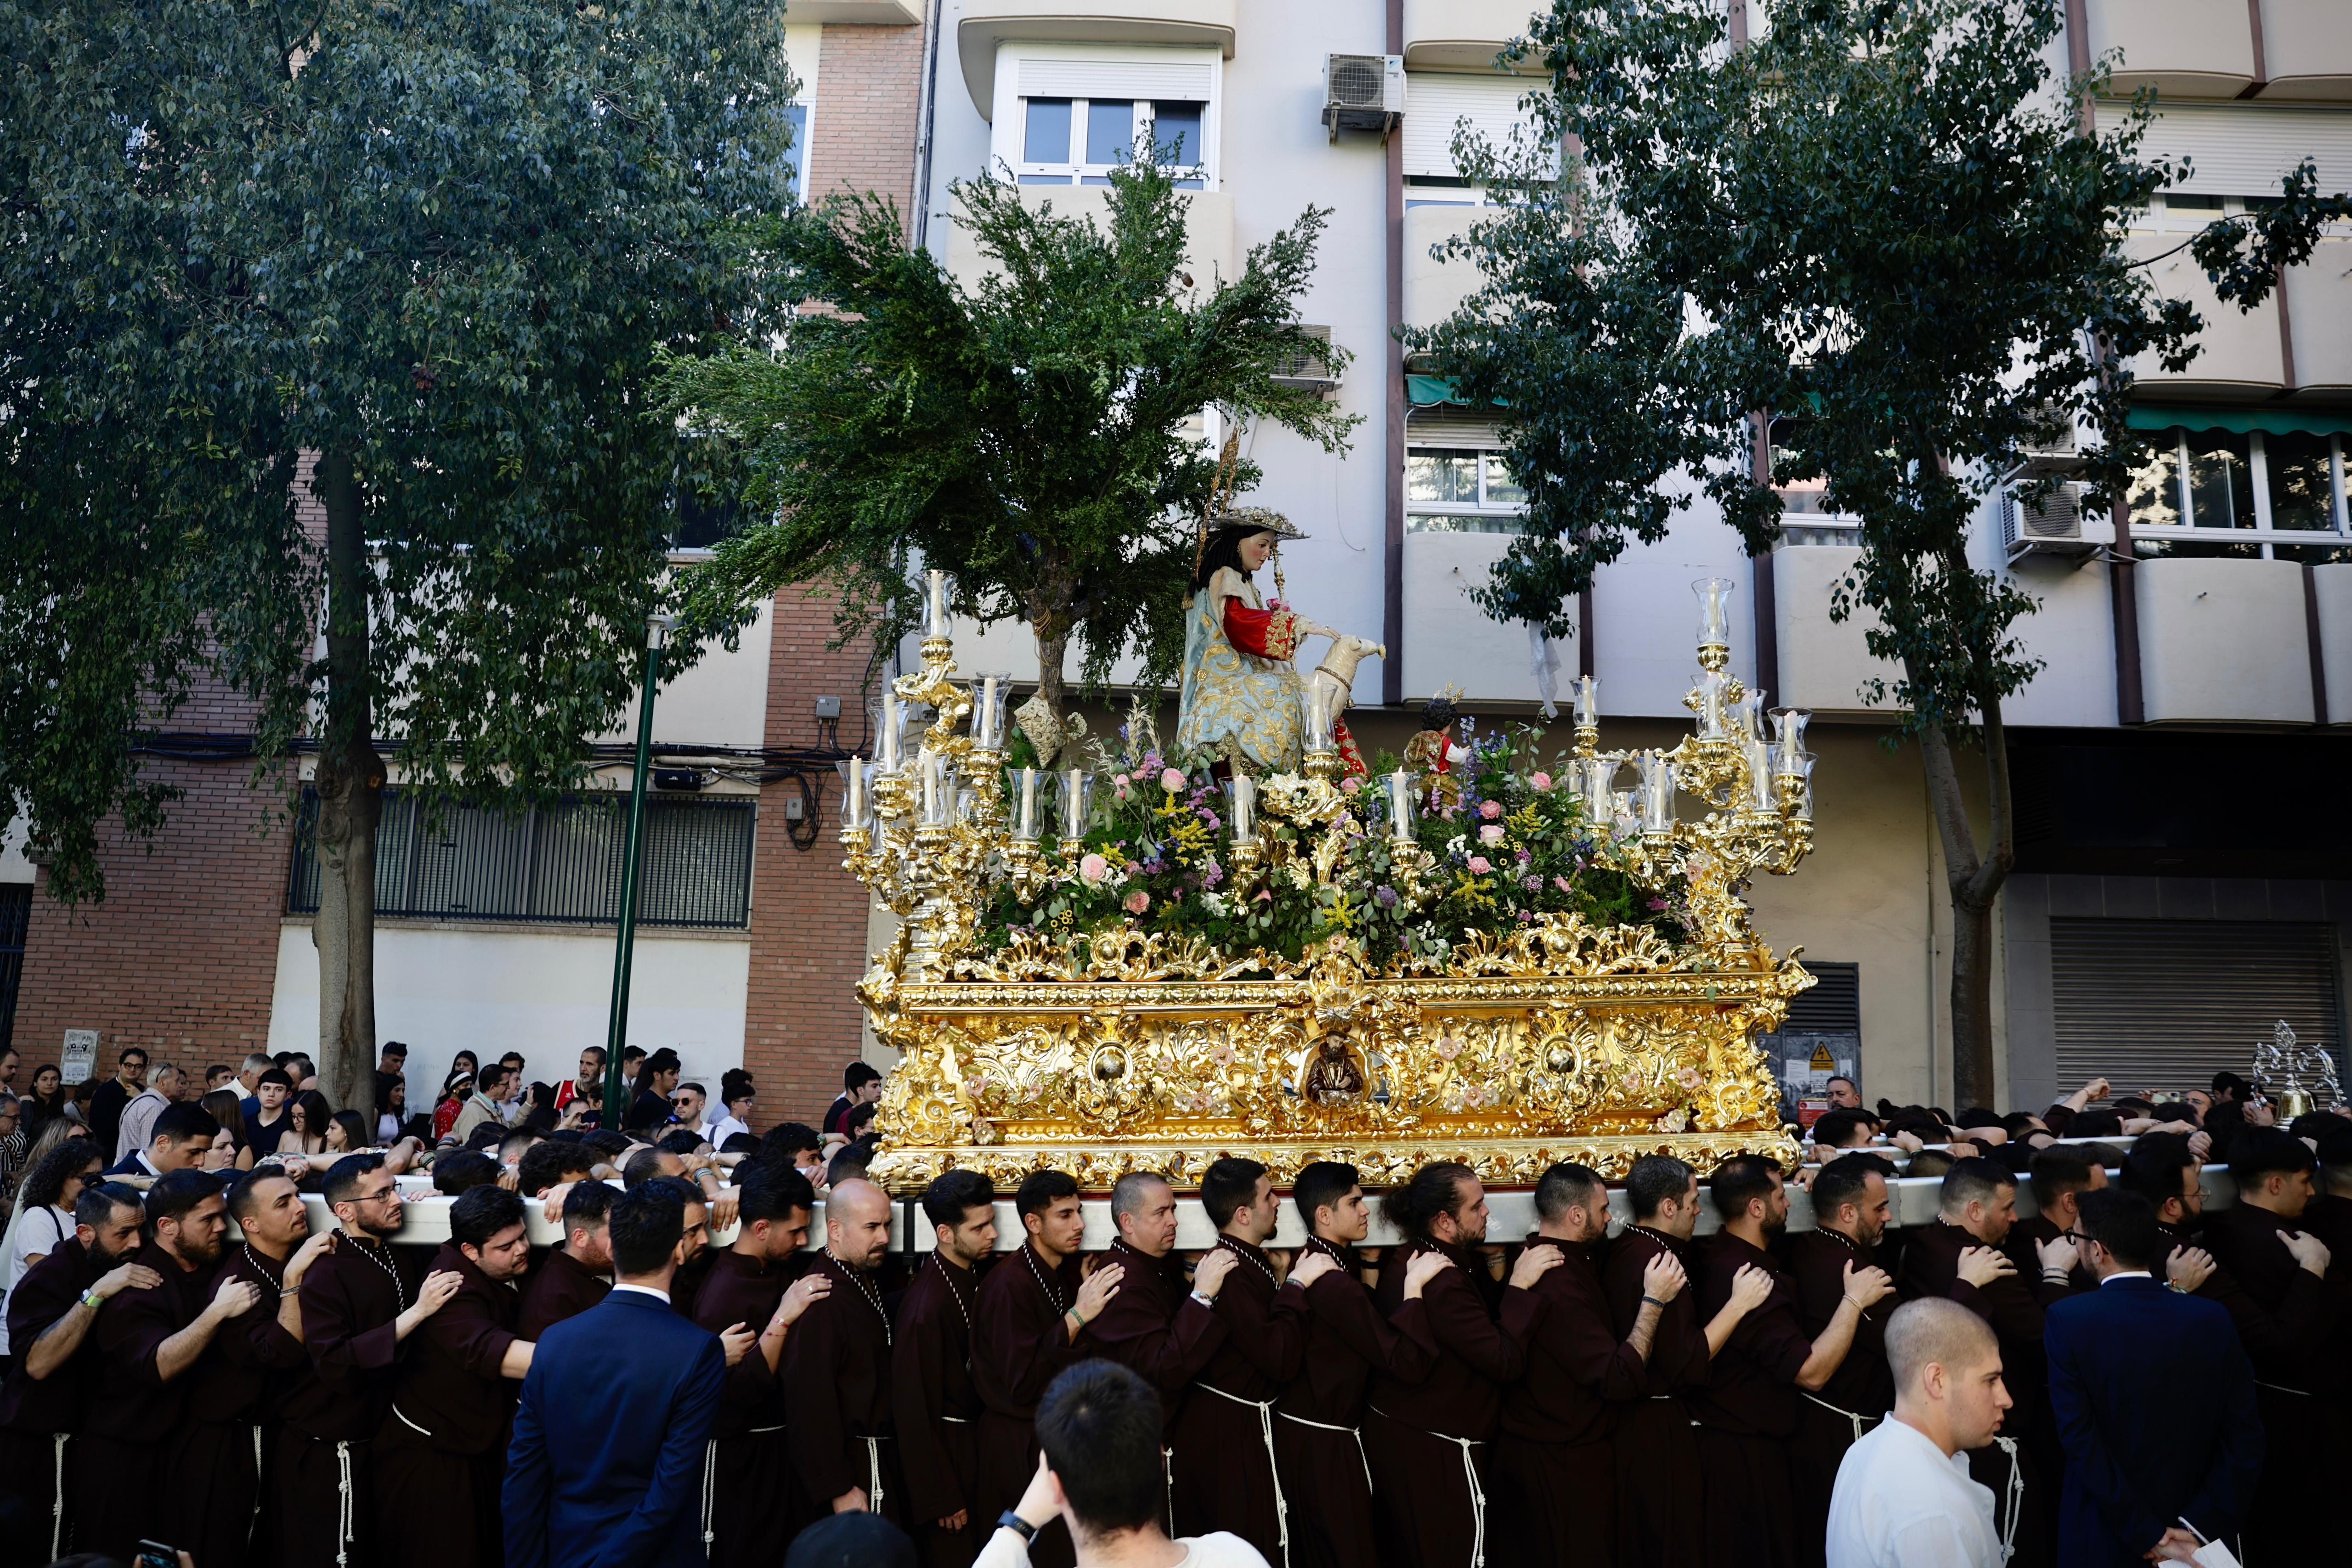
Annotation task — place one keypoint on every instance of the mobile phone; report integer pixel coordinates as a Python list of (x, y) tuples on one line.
[(155, 1555)]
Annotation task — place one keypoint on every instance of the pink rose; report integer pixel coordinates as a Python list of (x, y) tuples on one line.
[(1118, 787), (1492, 833), (1137, 901), (1172, 781), (1350, 784), (1542, 782), (1563, 884), (1491, 809), (1480, 865), (1094, 867)]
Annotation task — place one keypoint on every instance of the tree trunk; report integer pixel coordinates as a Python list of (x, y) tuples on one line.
[(351, 803), (1975, 880), (1053, 649)]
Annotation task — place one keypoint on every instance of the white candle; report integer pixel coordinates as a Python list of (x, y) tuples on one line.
[(938, 626), (1658, 793), (986, 727), (929, 765), (1074, 803), (1759, 773), (1710, 711), (889, 731), (855, 809), (1245, 806), (1401, 806), (1028, 804)]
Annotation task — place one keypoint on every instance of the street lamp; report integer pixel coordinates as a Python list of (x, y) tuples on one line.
[(616, 1031)]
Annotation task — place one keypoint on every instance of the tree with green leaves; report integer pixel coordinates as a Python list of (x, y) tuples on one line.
[(1024, 434), (1885, 216), (422, 257)]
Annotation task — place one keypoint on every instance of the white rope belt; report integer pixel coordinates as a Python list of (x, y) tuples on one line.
[(346, 1505), (873, 1473), (762, 1431), (2013, 1499), (1860, 1422), (57, 1509), (1264, 1408), (1168, 1488), (1470, 1474), (1355, 1432), (2283, 1389), (409, 1424), (959, 1420), (709, 1494), (259, 1484)]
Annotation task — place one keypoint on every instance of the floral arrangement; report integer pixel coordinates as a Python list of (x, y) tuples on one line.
[(1159, 856)]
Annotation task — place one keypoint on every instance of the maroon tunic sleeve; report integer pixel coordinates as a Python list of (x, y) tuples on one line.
[(1577, 1334), (348, 1336), (1459, 1323), (1022, 1344), (1166, 1345), (43, 1294), (930, 1347), (2283, 1311), (1678, 1352), (1265, 1328), (750, 1392), (818, 1432)]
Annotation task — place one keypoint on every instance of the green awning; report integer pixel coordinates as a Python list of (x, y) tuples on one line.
[(2270, 419), (1427, 391)]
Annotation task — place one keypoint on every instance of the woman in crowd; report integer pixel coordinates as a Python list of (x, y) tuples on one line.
[(46, 1102), (456, 1090), (228, 1110), (14, 1147), (306, 1134), (347, 1134), (390, 1106)]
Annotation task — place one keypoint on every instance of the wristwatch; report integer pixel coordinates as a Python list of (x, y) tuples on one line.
[(92, 1299), (1021, 1527)]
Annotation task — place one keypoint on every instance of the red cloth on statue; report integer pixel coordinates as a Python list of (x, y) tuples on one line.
[(1268, 634)]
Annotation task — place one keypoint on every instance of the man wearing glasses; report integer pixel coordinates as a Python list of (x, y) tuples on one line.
[(687, 1104), (356, 1310)]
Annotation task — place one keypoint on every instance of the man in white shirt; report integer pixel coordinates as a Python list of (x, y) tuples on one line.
[(1099, 1425), (1904, 1498), (138, 1124)]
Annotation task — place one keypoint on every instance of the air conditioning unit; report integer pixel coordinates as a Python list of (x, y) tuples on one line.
[(1362, 93), (1309, 372), (2053, 527), (2062, 453)]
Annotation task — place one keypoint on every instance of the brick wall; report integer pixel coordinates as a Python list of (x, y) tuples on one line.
[(803, 1018), (868, 88)]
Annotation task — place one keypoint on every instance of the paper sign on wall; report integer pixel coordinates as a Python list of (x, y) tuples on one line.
[(80, 1055)]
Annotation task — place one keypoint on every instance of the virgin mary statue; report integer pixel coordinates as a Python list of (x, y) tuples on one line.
[(1242, 700)]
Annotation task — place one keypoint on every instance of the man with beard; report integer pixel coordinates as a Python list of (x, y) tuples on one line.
[(1850, 1215), (213, 1480), (1556, 1497), (51, 1311), (444, 1438), (2282, 1274), (1747, 1412), (1319, 1427), (148, 1343), (2059, 1178), (837, 1368), (1423, 1439), (1227, 1420), (1960, 1258), (931, 1389), (1661, 1517), (1031, 1309), (573, 1277), (356, 1313), (758, 1280)]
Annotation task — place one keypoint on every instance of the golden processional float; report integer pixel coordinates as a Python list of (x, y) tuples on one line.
[(1489, 962)]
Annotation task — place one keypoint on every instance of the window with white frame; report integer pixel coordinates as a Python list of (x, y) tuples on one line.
[(1069, 114), (797, 161), (1461, 490), (2260, 494)]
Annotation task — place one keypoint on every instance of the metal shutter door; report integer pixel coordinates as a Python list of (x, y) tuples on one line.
[(2166, 1004), (1435, 102), (2244, 149)]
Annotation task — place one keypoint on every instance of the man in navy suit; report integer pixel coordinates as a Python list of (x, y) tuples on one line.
[(2154, 1400), (605, 1469), (182, 1137)]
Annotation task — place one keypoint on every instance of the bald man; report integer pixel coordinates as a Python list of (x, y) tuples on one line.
[(1904, 1497), (837, 1368)]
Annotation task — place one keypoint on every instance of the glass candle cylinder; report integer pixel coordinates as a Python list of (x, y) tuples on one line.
[(1074, 803), (1714, 611), (1318, 725), (1788, 726), (927, 771), (1401, 806), (1748, 717), (1658, 793), (1245, 806), (984, 723), (1588, 702), (936, 625), (1025, 829), (853, 791), (889, 732), (1759, 757), (1710, 706), (1600, 786)]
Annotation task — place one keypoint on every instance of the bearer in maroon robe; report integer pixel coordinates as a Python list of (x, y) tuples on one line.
[(931, 1388), (356, 1312), (1032, 1308), (1318, 1420), (1221, 1445), (761, 1280), (837, 1368), (1154, 1326), (2059, 1177), (446, 1436), (1960, 1258), (2281, 1269), (149, 1341), (1555, 1498), (1427, 1440), (51, 1312), (1748, 1412), (577, 1275), (1851, 1213)]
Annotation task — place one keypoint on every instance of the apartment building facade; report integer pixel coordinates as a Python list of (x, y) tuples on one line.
[(2183, 878)]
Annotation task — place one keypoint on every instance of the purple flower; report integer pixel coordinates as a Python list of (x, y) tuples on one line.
[(1212, 874), (1657, 903), (1386, 897), (1210, 821)]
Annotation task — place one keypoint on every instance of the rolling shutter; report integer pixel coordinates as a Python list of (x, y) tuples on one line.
[(1435, 102), (2244, 149), (1822, 1037), (2166, 1004)]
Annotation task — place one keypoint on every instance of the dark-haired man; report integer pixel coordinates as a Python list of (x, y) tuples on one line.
[(1747, 1412), (1031, 1308), (861, 1084), (266, 1117), (758, 1280), (794, 1145), (930, 1370), (106, 1105), (445, 1436), (550, 1162), (356, 1312), (2058, 1179), (657, 1076), (484, 1107), (148, 1342), (837, 1368), (2287, 1317), (1555, 1460), (1838, 1131), (1318, 1420), (181, 1137), (607, 1461), (1851, 1213), (1222, 1442), (51, 1311), (572, 1278)]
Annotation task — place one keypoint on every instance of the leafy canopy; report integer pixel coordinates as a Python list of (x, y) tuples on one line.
[(1024, 432), (441, 241)]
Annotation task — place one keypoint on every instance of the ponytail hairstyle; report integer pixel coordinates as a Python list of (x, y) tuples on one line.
[(1434, 1189)]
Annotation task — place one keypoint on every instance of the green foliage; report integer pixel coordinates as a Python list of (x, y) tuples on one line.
[(1157, 857), (1024, 435), (445, 249)]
